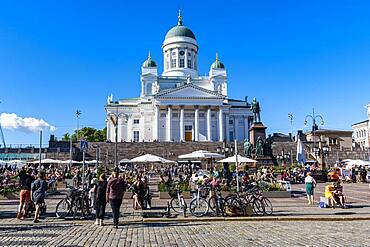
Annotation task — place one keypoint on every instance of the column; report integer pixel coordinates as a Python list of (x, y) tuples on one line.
[(182, 130), (186, 58), (227, 127), (129, 130), (119, 129), (141, 127), (170, 66), (246, 127), (220, 125), (196, 124), (156, 124), (236, 128), (169, 121), (209, 125), (109, 134)]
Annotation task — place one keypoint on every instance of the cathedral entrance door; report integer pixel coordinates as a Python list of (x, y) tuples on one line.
[(188, 133)]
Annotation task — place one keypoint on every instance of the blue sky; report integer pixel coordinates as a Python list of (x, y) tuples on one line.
[(59, 56)]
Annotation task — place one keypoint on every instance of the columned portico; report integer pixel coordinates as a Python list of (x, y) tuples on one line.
[(182, 127), (196, 124)]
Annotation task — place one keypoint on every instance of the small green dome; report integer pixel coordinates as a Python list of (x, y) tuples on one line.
[(149, 63), (180, 30), (217, 64)]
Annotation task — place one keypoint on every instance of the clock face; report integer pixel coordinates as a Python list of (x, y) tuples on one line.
[(182, 53)]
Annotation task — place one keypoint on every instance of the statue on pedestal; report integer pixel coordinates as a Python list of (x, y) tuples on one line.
[(256, 109), (259, 147), (247, 148), (267, 149)]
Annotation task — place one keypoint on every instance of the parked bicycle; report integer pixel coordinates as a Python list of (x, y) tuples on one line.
[(76, 202), (178, 203), (199, 205)]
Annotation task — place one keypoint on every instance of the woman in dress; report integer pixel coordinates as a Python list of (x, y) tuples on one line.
[(310, 185), (101, 200), (38, 189)]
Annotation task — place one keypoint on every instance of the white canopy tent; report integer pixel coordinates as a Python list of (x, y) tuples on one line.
[(18, 163), (45, 161), (147, 158), (201, 154), (239, 159)]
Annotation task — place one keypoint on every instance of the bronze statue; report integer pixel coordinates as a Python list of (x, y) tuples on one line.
[(256, 111), (267, 149), (247, 148), (259, 147)]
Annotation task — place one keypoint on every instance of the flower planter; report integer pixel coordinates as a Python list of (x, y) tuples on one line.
[(10, 196), (277, 194), (165, 195)]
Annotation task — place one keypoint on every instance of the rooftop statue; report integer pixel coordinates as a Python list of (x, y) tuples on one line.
[(256, 111)]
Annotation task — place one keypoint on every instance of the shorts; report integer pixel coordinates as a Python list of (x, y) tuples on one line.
[(25, 196)]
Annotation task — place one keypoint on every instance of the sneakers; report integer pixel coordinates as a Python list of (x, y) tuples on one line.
[(36, 221), (96, 222)]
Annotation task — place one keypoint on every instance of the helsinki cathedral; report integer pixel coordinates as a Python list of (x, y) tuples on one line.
[(179, 104)]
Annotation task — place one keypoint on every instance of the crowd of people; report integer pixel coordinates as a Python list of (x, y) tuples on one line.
[(104, 188)]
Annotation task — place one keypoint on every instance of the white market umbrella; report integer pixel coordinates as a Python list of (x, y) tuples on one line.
[(301, 158), (2, 162), (92, 162), (150, 158), (18, 163), (125, 161), (68, 162), (241, 159), (201, 154)]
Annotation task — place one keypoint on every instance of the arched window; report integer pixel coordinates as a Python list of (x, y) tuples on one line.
[(148, 88)]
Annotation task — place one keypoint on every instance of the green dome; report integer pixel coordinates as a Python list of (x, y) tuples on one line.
[(180, 30), (149, 63), (217, 64)]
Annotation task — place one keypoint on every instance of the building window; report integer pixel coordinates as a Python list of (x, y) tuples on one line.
[(231, 135), (136, 136), (182, 63), (175, 115), (148, 88), (201, 114), (167, 64), (163, 114), (173, 64), (173, 53), (189, 63), (231, 122), (136, 121), (188, 128)]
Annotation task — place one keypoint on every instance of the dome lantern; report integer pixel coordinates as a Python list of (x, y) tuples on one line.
[(149, 63), (217, 64)]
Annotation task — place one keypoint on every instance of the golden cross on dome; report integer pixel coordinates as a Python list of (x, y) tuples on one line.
[(179, 17)]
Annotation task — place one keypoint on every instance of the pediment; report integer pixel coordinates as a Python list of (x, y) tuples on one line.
[(189, 91)]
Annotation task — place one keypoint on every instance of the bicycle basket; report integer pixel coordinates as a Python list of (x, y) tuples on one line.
[(172, 193)]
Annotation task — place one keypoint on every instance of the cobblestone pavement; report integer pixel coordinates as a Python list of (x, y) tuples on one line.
[(133, 232), (190, 234)]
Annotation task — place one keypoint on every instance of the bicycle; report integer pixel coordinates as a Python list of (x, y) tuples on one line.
[(261, 205), (199, 205), (217, 203), (178, 203), (76, 201)]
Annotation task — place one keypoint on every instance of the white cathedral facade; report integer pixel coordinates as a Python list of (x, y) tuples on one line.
[(179, 104)]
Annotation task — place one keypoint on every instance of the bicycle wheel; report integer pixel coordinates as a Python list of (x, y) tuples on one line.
[(212, 203), (234, 206), (257, 207), (85, 206), (175, 205), (267, 206), (199, 207), (63, 209)]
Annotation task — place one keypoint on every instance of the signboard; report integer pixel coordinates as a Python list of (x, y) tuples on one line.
[(84, 145)]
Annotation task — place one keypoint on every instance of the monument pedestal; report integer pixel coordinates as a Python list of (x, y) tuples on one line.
[(257, 130)]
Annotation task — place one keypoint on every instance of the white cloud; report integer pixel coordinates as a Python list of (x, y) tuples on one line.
[(28, 124)]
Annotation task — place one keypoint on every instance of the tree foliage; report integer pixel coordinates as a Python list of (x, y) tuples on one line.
[(88, 133)]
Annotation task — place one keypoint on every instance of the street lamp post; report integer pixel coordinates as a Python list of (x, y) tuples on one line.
[(113, 117), (78, 114), (290, 116), (314, 125)]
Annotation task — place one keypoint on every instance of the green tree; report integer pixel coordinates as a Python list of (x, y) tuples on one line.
[(88, 133), (66, 137)]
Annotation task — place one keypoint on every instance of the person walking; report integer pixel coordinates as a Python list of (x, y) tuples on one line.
[(310, 186), (39, 188), (101, 200), (115, 191), (25, 180)]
